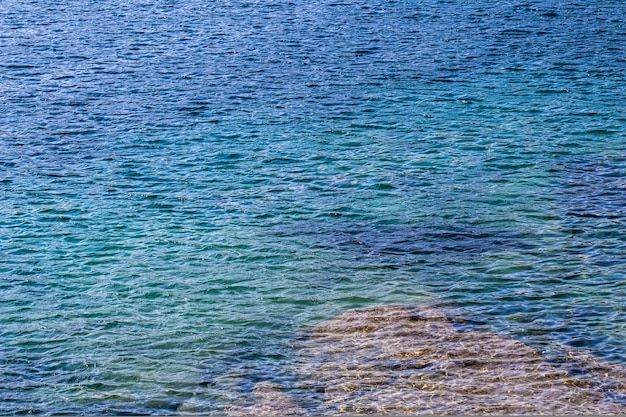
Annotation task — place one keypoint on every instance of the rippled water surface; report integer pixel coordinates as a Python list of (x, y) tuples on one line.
[(186, 185)]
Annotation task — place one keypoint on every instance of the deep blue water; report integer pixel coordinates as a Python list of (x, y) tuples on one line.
[(184, 185)]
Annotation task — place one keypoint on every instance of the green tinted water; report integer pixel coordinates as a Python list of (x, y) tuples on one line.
[(177, 204)]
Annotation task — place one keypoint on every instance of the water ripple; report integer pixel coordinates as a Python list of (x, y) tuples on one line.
[(185, 185)]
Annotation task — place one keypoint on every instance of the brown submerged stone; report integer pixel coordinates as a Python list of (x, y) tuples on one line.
[(411, 360), (269, 400)]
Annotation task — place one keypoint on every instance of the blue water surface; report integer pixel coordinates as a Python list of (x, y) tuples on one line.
[(185, 185)]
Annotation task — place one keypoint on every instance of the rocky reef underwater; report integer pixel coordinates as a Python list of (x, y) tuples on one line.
[(408, 360)]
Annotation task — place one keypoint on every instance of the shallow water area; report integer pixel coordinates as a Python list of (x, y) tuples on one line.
[(413, 360), (186, 186)]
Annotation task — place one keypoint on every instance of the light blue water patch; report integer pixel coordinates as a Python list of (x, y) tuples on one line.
[(186, 186)]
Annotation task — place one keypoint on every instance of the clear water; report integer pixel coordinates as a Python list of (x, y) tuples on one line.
[(184, 185)]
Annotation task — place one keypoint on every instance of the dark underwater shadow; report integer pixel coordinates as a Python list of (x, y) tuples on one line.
[(402, 244), (592, 196)]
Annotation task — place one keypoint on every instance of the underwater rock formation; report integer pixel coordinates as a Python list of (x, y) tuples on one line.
[(269, 401), (410, 360)]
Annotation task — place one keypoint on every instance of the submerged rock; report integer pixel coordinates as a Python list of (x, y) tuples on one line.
[(410, 360), (269, 400)]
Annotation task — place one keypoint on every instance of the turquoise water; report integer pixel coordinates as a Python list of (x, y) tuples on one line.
[(187, 185)]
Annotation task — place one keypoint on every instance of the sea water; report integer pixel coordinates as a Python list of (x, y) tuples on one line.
[(187, 185)]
